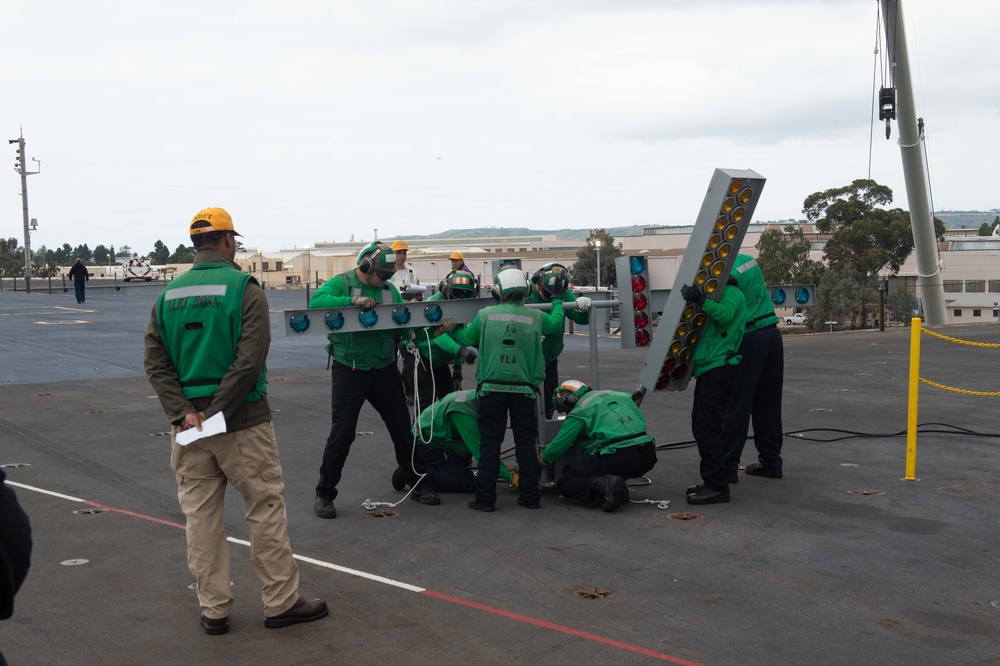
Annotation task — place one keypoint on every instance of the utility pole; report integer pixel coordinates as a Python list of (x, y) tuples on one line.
[(21, 167), (911, 138)]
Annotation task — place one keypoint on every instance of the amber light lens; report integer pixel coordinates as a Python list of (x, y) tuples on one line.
[(734, 185), (728, 205), (746, 195)]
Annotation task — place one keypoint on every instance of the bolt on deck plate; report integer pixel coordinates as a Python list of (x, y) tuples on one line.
[(89, 510), (865, 492), (685, 516), (591, 593)]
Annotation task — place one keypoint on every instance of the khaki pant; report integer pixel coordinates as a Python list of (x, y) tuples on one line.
[(249, 460)]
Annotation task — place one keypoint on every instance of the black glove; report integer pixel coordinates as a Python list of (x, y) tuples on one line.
[(468, 354), (456, 376), (693, 295), (559, 286)]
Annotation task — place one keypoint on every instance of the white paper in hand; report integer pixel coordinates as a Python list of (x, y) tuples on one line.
[(213, 425)]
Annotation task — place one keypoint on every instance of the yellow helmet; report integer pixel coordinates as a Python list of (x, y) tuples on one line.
[(400, 246), (456, 255)]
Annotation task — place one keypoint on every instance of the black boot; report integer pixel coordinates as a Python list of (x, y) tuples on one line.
[(612, 490)]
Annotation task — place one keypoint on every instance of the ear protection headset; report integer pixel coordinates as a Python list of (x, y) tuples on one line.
[(367, 261), (568, 394), (550, 278), (458, 284), (364, 257)]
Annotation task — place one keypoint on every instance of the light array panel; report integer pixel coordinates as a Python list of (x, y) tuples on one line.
[(715, 241)]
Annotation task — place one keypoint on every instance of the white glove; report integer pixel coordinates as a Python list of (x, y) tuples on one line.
[(583, 303), (364, 302)]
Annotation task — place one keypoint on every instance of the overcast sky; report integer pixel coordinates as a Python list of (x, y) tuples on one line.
[(312, 120)]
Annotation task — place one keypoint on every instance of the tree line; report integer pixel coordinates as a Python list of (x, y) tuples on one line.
[(865, 245), (45, 262)]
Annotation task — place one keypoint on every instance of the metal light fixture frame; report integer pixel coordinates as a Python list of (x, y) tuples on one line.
[(715, 241)]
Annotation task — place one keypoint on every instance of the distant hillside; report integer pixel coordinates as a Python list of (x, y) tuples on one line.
[(967, 219), (955, 219), (504, 232)]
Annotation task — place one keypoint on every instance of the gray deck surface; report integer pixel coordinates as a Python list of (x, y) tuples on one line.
[(792, 571)]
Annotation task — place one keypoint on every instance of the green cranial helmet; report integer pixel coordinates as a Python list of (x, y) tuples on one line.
[(551, 280), (460, 284), (379, 259), (567, 394), (509, 280)]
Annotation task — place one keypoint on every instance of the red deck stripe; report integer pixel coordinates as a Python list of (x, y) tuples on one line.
[(472, 604), (566, 630)]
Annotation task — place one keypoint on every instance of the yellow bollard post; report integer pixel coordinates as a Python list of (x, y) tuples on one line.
[(911, 418)]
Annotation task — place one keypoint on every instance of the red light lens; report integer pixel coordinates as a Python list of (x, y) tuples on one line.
[(641, 319), (639, 301), (638, 283), (642, 338)]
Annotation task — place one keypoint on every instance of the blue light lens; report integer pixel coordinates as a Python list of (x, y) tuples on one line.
[(637, 265), (401, 315), (779, 296), (299, 322), (433, 313), (368, 318), (802, 295), (334, 320)]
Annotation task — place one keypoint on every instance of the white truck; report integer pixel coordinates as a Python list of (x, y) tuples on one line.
[(797, 318), (137, 268)]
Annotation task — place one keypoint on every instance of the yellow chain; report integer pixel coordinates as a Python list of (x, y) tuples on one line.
[(961, 342), (990, 394)]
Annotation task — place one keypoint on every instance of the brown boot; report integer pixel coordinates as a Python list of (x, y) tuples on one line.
[(304, 610)]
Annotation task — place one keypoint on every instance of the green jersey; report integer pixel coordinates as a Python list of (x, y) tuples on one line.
[(450, 424), (552, 343), (601, 423), (509, 338), (760, 311), (200, 318), (364, 350), (721, 337)]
